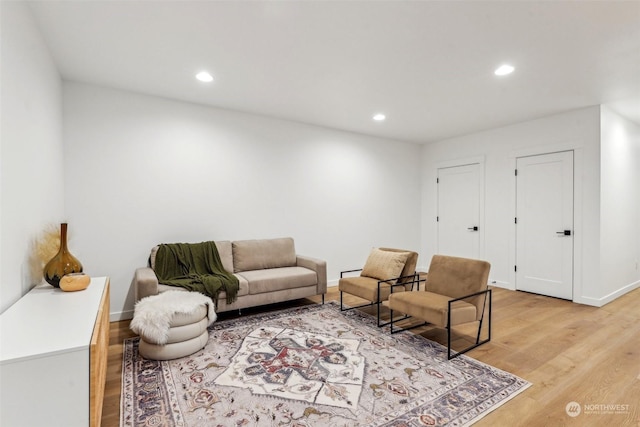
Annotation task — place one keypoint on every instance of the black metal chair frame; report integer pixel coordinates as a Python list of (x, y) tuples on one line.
[(393, 282), (448, 327)]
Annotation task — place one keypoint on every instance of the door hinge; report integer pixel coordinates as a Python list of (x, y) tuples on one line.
[(437, 219), (515, 268), (437, 180), (516, 171), (515, 220)]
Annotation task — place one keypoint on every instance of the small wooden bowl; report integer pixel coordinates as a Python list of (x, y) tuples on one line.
[(74, 282)]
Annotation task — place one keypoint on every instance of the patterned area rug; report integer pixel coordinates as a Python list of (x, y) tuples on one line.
[(311, 366)]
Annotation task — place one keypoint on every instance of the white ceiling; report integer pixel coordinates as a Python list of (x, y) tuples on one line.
[(428, 65)]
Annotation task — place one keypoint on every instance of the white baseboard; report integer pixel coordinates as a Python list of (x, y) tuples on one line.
[(599, 302), (501, 284), (121, 315)]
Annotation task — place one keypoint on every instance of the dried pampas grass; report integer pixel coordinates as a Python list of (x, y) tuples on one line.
[(44, 247)]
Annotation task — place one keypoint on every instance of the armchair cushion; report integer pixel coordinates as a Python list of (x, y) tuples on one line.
[(457, 277), (364, 287), (384, 264), (432, 308)]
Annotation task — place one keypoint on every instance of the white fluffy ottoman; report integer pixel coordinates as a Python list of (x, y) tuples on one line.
[(172, 324)]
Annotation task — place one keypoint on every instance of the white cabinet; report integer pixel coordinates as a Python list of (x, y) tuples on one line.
[(53, 348)]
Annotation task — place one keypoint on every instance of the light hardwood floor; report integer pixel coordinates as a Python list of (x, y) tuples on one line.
[(570, 352)]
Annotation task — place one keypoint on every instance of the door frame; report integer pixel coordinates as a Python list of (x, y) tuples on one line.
[(480, 161), (578, 229)]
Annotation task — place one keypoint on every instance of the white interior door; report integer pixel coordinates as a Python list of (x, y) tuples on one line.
[(544, 224), (459, 207)]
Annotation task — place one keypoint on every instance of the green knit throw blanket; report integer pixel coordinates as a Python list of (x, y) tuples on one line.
[(196, 267)]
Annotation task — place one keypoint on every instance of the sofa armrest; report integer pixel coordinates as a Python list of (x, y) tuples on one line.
[(317, 265), (144, 283)]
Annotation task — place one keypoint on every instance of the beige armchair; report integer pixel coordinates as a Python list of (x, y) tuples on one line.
[(455, 292), (385, 268)]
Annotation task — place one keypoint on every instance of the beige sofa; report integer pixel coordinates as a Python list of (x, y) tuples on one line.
[(268, 270)]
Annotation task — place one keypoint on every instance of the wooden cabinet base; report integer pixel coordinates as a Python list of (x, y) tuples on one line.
[(99, 351)]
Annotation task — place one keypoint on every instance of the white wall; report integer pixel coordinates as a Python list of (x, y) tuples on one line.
[(577, 130), (620, 209), (31, 147), (139, 170), (142, 170)]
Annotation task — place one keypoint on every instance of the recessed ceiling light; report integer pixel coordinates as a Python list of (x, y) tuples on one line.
[(379, 117), (203, 76), (503, 70)]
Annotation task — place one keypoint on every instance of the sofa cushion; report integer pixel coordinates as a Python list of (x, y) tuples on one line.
[(262, 254), (276, 279), (384, 265), (224, 251), (226, 254), (243, 290)]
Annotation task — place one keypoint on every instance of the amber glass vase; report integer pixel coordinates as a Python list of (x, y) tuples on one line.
[(62, 263)]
